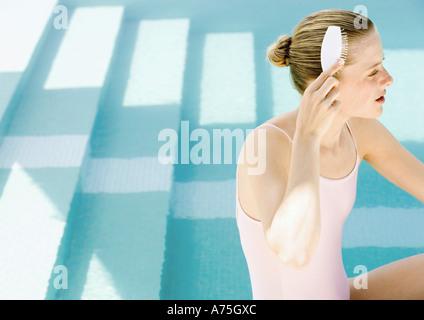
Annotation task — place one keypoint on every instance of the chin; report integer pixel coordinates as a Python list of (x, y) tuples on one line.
[(377, 111), (380, 111)]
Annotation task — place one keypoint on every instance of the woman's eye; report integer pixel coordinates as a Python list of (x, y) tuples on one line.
[(374, 73)]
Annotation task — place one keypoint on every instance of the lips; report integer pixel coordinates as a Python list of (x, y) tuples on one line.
[(380, 100), (384, 92)]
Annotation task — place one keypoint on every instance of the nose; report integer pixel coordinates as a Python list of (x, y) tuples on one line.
[(387, 80)]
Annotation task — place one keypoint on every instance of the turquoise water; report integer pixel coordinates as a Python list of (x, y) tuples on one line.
[(81, 182)]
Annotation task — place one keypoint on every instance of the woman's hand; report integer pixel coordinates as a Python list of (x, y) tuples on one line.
[(319, 106)]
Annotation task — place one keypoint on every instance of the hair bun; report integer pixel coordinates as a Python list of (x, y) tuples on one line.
[(279, 52)]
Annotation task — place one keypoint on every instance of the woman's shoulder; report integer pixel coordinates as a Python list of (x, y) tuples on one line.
[(271, 158), (285, 123), (282, 123), (277, 146)]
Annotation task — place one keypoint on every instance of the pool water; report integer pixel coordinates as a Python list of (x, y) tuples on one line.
[(83, 184)]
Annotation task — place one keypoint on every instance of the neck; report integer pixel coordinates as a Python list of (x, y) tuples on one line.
[(331, 141)]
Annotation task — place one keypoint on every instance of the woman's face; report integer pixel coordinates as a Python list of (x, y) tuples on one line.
[(364, 81)]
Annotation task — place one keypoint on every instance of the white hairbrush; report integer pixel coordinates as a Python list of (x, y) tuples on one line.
[(334, 46)]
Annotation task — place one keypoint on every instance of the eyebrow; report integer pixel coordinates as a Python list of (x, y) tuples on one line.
[(373, 66)]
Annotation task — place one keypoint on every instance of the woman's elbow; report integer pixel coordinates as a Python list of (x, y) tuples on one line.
[(290, 255)]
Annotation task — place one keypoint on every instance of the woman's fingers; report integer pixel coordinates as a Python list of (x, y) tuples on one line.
[(331, 97), (318, 82), (319, 105), (329, 85), (335, 105), (334, 68)]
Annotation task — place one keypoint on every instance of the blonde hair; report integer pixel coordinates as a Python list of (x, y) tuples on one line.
[(302, 51)]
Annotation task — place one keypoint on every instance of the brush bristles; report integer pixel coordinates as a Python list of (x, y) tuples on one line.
[(343, 54)]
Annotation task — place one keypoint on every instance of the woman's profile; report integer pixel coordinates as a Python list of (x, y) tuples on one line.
[(290, 217)]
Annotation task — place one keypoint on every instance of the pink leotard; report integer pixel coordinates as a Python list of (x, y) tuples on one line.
[(324, 278)]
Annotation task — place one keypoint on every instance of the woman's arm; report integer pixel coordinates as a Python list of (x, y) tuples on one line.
[(292, 219), (295, 229), (386, 155), (287, 193)]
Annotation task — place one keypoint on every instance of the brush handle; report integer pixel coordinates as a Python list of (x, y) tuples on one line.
[(331, 48)]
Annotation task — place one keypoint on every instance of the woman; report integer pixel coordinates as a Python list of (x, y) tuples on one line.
[(291, 216)]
